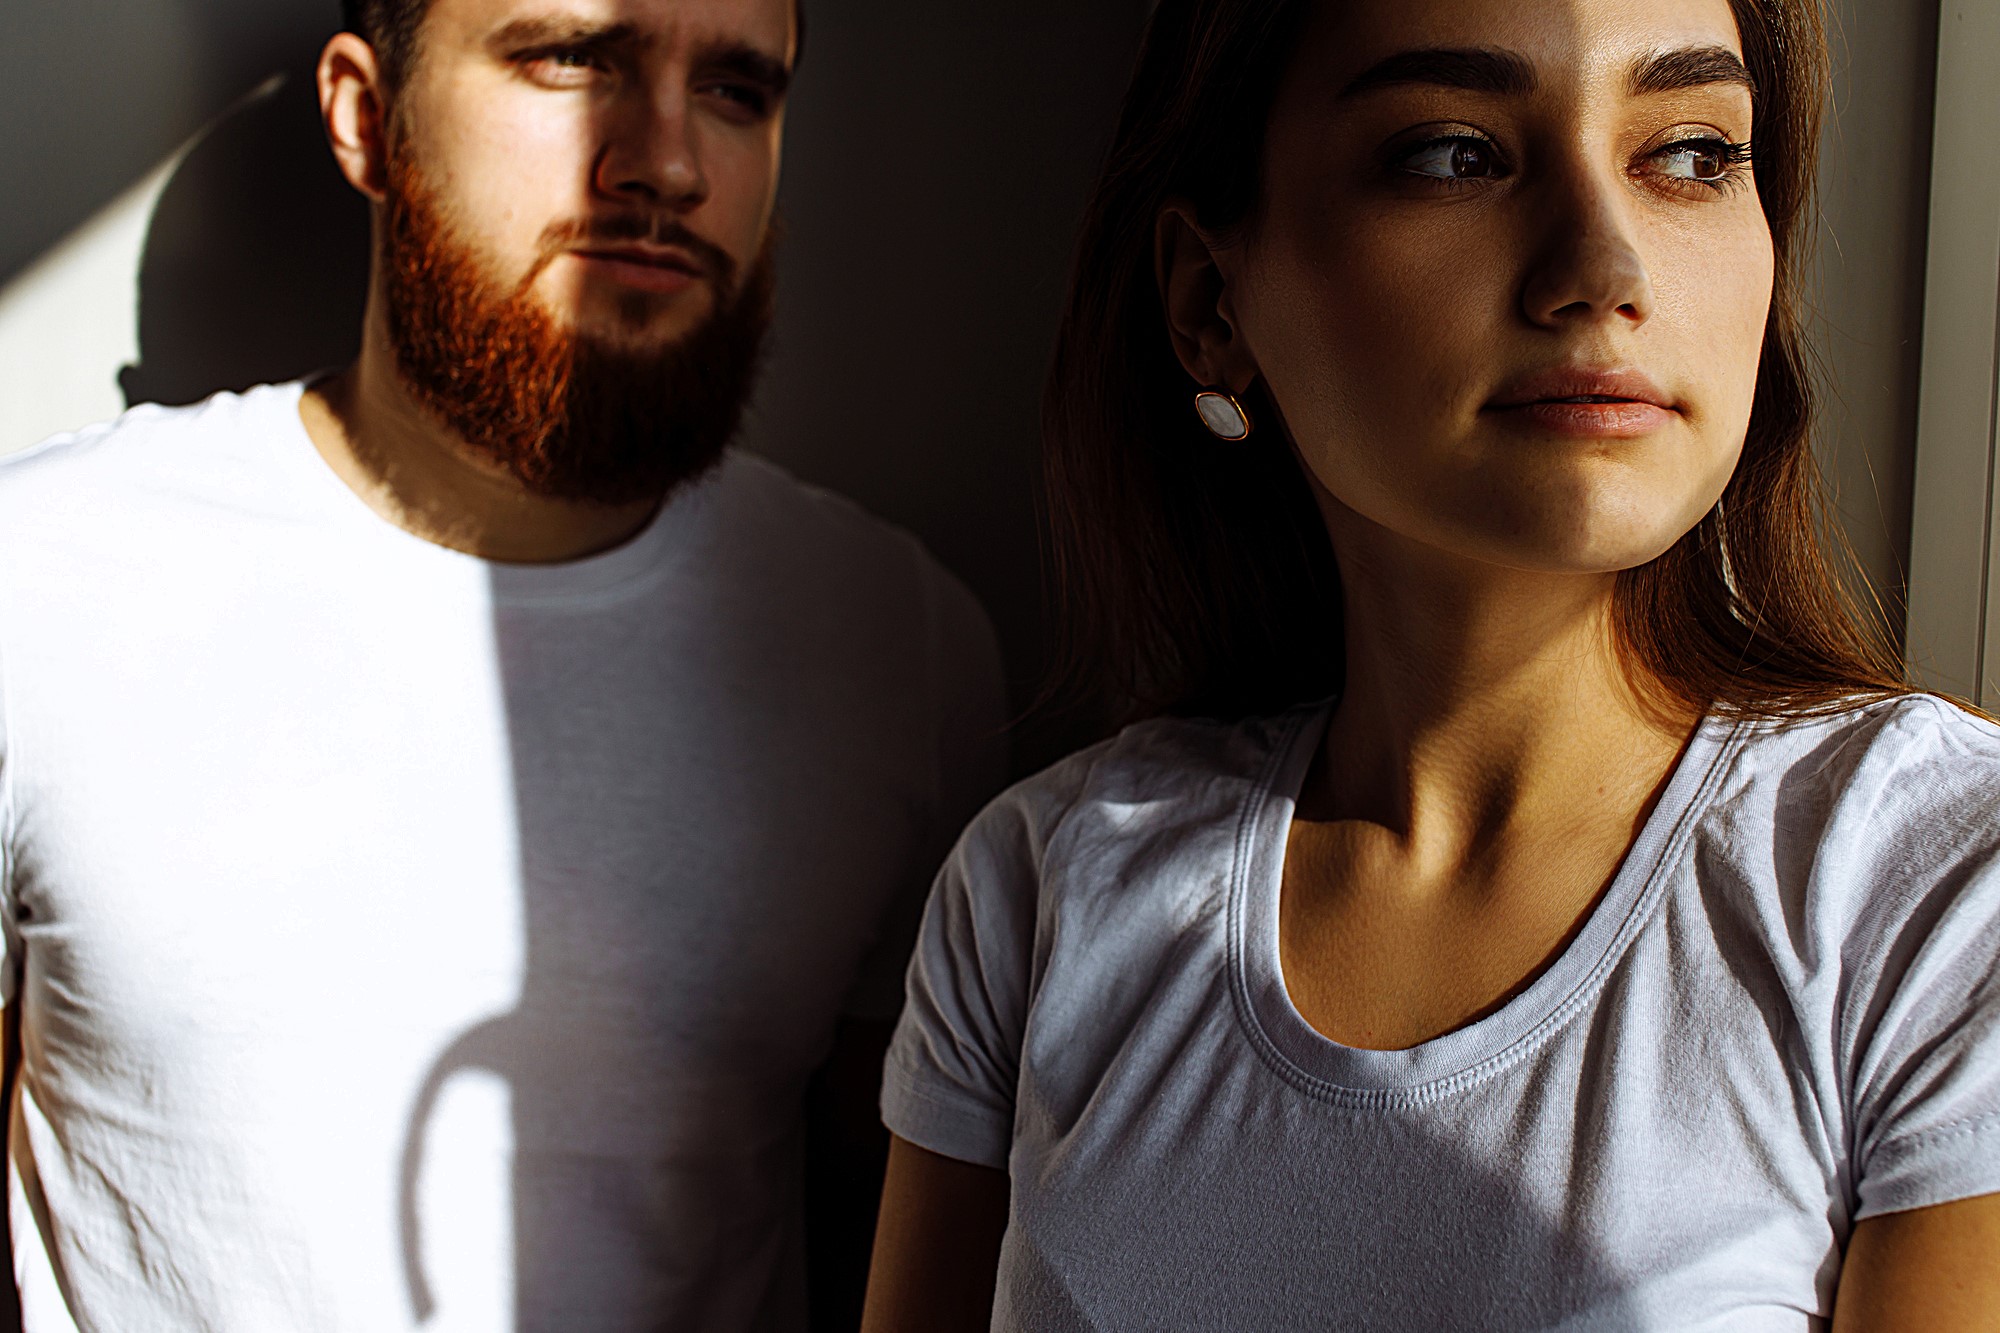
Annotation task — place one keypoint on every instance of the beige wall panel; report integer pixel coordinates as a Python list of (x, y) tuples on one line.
[(1951, 545), (1874, 183)]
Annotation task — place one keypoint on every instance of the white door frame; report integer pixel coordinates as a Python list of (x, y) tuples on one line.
[(1954, 604)]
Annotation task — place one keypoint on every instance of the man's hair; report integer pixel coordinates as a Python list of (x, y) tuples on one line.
[(390, 26)]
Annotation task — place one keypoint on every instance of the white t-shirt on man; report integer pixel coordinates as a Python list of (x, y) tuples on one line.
[(403, 940), (1781, 1018)]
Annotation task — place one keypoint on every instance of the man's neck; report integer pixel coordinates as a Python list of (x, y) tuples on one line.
[(416, 474)]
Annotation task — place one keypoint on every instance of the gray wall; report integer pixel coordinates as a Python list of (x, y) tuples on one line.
[(1875, 195), (937, 160)]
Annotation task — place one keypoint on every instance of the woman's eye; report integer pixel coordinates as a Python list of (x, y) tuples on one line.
[(1458, 159), (1714, 162)]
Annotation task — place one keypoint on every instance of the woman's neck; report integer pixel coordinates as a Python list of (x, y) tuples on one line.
[(1479, 698), (1480, 782)]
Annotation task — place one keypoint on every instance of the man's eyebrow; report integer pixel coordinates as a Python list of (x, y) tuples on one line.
[(746, 62), (559, 30), (1689, 67), (1475, 69), (738, 59)]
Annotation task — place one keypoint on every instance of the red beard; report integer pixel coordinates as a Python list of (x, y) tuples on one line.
[(569, 416)]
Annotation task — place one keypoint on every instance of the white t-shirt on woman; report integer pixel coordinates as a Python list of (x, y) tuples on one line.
[(1781, 1018)]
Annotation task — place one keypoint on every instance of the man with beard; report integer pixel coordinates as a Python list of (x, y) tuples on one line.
[(450, 810)]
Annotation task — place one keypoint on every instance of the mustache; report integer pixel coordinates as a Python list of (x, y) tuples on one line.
[(635, 229)]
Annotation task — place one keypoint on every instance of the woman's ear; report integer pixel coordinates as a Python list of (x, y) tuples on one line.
[(1195, 293), (353, 107)]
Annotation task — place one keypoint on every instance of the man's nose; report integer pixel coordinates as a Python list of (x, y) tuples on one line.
[(1588, 266), (651, 155)]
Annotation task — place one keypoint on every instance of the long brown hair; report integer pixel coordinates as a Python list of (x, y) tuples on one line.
[(1197, 579)]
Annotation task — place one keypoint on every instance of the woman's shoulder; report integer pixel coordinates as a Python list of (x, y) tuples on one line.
[(1869, 842), (1907, 754), (1152, 780), (1871, 818)]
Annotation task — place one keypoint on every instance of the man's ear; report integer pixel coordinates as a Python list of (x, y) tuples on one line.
[(1201, 315), (354, 108)]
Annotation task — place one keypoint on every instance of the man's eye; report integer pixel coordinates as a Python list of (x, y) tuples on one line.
[(752, 100), (1454, 159), (565, 64)]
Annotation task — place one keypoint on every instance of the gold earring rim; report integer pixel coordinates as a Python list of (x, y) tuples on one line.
[(1242, 414)]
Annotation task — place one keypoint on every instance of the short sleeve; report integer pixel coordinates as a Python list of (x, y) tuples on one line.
[(968, 751), (10, 946), (1926, 1118), (954, 1066)]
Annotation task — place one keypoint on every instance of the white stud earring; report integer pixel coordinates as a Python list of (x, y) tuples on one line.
[(1225, 418)]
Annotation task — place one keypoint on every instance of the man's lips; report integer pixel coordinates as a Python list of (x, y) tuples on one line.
[(661, 269), (1597, 404)]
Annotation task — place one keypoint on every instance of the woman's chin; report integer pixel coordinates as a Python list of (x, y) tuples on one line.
[(1590, 529)]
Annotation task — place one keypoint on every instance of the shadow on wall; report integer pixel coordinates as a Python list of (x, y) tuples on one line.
[(255, 267), (936, 168), (937, 162)]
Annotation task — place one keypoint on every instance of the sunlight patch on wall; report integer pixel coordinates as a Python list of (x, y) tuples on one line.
[(71, 321)]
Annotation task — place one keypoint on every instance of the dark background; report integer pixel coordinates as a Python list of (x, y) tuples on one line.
[(938, 155), (937, 159)]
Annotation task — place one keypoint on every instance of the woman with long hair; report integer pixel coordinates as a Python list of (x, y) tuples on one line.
[(1531, 896)]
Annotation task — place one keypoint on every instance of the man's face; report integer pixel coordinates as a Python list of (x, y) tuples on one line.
[(613, 162)]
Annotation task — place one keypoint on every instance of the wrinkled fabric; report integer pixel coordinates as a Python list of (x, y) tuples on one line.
[(403, 940), (1782, 1017)]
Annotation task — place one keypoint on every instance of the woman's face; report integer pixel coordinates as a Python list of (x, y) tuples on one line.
[(1509, 280)]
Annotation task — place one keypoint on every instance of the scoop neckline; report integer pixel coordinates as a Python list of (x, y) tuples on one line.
[(654, 549), (1437, 1068)]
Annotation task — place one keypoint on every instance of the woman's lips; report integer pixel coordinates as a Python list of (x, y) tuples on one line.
[(1613, 419), (1591, 404)]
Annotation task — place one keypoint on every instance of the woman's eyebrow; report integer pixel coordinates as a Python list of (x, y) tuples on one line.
[(1689, 67), (1505, 74), (1475, 69)]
